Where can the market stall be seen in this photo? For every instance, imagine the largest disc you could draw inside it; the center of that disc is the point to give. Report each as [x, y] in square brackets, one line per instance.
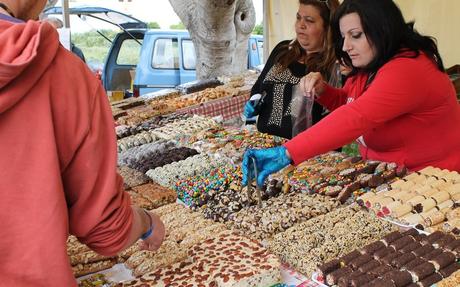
[334, 220]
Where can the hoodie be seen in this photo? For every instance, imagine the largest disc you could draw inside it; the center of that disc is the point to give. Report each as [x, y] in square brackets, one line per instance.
[57, 160]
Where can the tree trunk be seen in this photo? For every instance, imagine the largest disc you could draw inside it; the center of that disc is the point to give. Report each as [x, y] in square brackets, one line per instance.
[220, 31]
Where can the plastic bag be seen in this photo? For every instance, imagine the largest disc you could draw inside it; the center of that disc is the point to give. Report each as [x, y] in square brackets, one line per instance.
[301, 109]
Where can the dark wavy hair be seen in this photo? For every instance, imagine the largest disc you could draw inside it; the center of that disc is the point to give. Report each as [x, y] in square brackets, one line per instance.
[324, 61]
[385, 29]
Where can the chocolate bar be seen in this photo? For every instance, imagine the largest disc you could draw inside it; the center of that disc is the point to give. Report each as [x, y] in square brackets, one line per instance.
[411, 231]
[425, 249]
[447, 271]
[381, 270]
[379, 254]
[333, 278]
[372, 248]
[411, 247]
[399, 262]
[433, 237]
[399, 278]
[443, 260]
[380, 282]
[328, 267]
[361, 280]
[345, 281]
[345, 260]
[401, 242]
[369, 266]
[453, 244]
[443, 241]
[422, 271]
[432, 254]
[387, 259]
[359, 261]
[391, 237]
[417, 261]
[430, 280]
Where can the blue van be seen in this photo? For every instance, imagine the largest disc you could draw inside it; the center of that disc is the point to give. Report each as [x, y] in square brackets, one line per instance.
[147, 60]
[166, 59]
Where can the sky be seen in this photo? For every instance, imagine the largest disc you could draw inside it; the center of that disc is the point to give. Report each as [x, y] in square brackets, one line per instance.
[159, 11]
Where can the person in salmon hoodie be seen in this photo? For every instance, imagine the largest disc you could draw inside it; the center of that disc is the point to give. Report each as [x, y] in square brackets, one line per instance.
[398, 102]
[57, 158]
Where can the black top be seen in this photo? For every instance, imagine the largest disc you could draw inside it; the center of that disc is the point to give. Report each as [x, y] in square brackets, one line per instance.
[275, 115]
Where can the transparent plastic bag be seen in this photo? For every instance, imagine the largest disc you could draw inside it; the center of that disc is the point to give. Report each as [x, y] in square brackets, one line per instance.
[301, 109]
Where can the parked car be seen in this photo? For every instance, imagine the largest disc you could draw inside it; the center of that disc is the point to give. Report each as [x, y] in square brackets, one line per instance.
[147, 60]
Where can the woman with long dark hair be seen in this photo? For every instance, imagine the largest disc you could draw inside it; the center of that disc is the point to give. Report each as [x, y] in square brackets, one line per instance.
[289, 61]
[398, 103]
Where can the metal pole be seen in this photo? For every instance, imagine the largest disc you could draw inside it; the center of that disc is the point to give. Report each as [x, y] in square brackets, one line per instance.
[65, 13]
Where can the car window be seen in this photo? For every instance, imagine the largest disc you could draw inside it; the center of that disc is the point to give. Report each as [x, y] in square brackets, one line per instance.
[189, 56]
[260, 46]
[166, 54]
[129, 52]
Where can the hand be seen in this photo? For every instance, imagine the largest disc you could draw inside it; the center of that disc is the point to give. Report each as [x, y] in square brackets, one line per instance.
[249, 110]
[268, 161]
[312, 84]
[153, 242]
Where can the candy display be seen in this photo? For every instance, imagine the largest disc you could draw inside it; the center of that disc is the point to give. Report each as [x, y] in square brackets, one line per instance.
[85, 261]
[334, 174]
[399, 259]
[306, 245]
[232, 142]
[426, 199]
[156, 194]
[197, 190]
[132, 177]
[225, 260]
[96, 280]
[169, 174]
[184, 229]
[198, 85]
[214, 237]
[144, 151]
[279, 213]
[160, 158]
[153, 123]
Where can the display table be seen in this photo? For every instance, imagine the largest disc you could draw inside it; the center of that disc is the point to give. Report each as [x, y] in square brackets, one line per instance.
[228, 108]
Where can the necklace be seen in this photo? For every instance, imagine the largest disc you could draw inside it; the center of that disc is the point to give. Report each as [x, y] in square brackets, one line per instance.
[8, 10]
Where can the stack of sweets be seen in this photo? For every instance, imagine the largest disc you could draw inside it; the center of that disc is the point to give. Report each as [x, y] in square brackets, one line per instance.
[279, 213]
[397, 260]
[324, 237]
[224, 261]
[197, 190]
[424, 199]
[333, 174]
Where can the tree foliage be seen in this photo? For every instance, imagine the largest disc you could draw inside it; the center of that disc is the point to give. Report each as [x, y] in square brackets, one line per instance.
[258, 29]
[178, 26]
[153, 25]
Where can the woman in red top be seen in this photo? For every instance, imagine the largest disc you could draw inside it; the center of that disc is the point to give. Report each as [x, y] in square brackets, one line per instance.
[398, 102]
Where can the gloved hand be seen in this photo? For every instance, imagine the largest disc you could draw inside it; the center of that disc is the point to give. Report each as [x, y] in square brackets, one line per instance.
[249, 110]
[268, 161]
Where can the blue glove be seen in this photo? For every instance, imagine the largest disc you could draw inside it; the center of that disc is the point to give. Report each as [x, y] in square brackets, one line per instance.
[249, 111]
[268, 161]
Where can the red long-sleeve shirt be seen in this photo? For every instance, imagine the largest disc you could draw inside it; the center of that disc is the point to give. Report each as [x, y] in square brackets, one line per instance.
[408, 114]
[57, 160]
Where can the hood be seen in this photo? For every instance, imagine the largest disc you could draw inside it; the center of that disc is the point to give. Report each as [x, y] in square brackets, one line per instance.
[26, 52]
